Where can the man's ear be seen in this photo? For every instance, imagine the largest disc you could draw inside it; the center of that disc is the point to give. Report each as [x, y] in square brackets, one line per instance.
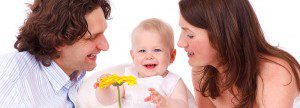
[131, 53]
[173, 55]
[59, 48]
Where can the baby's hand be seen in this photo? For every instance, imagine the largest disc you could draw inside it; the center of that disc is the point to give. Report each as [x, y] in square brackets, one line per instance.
[156, 98]
[97, 83]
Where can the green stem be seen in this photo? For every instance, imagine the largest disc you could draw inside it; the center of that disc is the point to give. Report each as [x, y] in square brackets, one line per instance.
[119, 97]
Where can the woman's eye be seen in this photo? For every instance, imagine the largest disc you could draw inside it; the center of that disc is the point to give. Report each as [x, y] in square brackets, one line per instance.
[142, 51]
[190, 36]
[157, 50]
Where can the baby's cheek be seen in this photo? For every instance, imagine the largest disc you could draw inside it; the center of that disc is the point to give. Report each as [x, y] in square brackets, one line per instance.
[137, 60]
[165, 60]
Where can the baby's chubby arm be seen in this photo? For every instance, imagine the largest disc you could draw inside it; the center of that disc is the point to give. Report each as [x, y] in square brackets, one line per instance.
[109, 95]
[178, 98]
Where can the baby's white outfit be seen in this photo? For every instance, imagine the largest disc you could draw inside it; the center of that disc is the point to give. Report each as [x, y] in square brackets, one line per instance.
[135, 95]
[297, 102]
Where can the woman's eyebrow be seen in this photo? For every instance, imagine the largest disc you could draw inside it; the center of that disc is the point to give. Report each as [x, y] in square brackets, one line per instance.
[187, 29]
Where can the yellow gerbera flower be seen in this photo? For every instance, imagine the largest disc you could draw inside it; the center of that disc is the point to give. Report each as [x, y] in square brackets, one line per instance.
[115, 80]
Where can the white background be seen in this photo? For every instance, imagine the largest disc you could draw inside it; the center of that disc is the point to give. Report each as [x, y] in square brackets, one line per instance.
[280, 20]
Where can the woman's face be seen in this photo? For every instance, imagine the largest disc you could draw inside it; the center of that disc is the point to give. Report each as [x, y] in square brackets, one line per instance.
[196, 43]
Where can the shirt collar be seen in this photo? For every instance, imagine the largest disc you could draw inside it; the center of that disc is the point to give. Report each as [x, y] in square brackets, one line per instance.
[80, 77]
[58, 78]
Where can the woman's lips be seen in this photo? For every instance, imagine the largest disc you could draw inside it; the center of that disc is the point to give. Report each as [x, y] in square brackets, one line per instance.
[190, 54]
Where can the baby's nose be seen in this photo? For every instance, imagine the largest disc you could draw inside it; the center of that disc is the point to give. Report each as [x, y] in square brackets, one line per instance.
[149, 57]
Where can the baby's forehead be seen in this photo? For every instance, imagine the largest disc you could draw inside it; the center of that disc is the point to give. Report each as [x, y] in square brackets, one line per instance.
[150, 45]
[139, 33]
[158, 45]
[152, 34]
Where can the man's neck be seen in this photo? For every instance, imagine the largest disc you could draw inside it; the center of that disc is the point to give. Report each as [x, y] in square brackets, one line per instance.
[74, 75]
[69, 72]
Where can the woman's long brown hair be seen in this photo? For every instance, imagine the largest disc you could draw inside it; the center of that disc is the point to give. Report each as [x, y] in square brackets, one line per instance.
[235, 33]
[53, 23]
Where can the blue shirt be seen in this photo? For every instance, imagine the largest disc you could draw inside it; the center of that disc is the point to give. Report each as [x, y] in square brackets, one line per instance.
[25, 82]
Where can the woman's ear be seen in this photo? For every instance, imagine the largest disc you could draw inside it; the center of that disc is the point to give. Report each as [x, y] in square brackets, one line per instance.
[173, 55]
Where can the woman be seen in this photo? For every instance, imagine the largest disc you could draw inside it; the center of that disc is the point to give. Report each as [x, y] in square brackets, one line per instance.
[232, 63]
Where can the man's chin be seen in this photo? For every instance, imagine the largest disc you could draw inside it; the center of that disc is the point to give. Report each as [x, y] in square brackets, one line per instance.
[91, 68]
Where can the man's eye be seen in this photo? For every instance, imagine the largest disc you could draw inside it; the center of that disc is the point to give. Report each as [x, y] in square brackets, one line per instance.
[157, 50]
[90, 38]
[142, 51]
[190, 36]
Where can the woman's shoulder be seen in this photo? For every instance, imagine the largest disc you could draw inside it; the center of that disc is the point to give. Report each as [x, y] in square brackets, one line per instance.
[273, 68]
[276, 83]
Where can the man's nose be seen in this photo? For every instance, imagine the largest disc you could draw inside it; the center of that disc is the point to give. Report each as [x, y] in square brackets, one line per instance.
[102, 43]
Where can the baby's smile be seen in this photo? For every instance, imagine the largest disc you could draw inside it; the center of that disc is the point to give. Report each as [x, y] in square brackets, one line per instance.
[150, 66]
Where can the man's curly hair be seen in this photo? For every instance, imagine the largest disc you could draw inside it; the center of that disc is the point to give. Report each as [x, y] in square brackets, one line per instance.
[53, 23]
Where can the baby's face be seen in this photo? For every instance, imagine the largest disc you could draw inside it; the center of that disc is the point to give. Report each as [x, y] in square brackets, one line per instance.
[150, 53]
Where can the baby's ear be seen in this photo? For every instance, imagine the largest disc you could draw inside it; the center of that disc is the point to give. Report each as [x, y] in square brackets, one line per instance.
[131, 53]
[173, 55]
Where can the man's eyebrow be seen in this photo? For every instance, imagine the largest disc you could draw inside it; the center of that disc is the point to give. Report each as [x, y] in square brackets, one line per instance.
[95, 34]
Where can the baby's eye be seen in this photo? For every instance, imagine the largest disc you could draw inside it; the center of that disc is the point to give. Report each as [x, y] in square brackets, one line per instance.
[190, 36]
[157, 50]
[142, 51]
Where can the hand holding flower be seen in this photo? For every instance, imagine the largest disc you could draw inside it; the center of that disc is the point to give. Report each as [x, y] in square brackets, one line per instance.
[96, 85]
[106, 80]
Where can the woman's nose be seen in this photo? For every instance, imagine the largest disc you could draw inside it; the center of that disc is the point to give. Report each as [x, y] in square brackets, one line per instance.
[182, 42]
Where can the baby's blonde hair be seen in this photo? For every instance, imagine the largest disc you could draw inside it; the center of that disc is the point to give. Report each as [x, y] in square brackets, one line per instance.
[158, 26]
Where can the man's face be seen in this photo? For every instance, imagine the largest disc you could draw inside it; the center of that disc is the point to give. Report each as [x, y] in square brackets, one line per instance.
[82, 55]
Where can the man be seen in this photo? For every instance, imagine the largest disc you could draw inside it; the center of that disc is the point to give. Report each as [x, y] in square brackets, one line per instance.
[58, 42]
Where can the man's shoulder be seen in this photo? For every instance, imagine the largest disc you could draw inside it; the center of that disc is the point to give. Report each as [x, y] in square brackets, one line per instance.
[17, 57]
[17, 63]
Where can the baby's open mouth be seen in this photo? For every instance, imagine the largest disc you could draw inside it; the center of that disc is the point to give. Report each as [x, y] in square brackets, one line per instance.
[150, 66]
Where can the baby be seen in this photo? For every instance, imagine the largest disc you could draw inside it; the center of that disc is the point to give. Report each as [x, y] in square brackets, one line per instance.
[152, 52]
